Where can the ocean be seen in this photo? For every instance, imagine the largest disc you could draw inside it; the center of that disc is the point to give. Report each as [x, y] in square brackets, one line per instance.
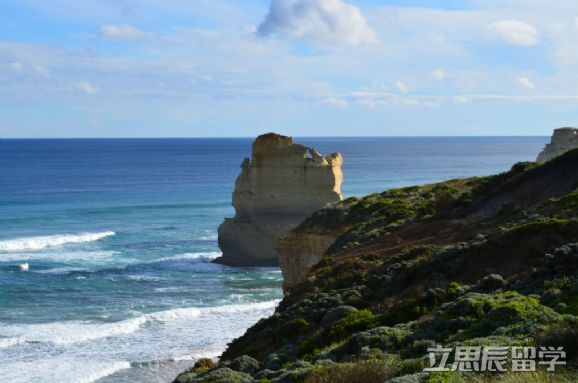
[105, 245]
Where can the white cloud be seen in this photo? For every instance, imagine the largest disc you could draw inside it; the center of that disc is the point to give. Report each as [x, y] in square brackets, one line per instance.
[402, 86]
[86, 88]
[203, 78]
[515, 32]
[16, 67]
[335, 103]
[41, 71]
[120, 32]
[526, 83]
[325, 22]
[461, 99]
[439, 74]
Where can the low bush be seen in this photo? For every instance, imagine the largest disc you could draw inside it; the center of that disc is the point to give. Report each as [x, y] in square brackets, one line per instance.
[360, 372]
[356, 321]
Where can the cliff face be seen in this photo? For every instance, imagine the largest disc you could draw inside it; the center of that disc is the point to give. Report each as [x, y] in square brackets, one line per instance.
[563, 140]
[302, 248]
[278, 187]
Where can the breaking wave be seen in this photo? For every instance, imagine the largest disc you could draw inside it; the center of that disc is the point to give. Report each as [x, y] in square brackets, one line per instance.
[63, 333]
[11, 342]
[37, 243]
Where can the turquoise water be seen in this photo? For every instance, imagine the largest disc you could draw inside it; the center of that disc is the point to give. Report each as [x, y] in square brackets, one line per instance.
[105, 245]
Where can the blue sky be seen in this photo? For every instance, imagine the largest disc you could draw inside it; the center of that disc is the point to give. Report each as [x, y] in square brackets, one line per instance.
[181, 68]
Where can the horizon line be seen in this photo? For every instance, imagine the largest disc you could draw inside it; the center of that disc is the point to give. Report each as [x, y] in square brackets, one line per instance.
[252, 137]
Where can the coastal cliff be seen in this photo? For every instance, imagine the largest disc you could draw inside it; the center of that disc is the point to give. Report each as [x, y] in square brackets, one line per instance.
[563, 140]
[282, 184]
[485, 261]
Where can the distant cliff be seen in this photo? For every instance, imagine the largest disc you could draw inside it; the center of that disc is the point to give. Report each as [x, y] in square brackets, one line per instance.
[563, 140]
[280, 186]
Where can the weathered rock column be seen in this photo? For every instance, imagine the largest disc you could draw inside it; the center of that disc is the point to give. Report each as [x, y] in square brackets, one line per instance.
[563, 140]
[277, 189]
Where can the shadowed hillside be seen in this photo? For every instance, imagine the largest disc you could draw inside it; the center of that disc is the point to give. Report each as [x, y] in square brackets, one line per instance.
[489, 261]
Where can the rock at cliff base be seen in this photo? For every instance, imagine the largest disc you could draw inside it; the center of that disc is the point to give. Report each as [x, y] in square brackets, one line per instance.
[281, 185]
[563, 140]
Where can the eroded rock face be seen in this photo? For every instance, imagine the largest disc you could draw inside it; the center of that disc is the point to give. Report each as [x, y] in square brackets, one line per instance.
[280, 186]
[300, 250]
[563, 140]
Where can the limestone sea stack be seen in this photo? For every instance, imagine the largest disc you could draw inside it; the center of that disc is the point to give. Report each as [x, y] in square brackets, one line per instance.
[563, 140]
[281, 185]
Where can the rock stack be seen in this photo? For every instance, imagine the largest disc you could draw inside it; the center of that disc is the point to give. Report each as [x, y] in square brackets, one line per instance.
[281, 185]
[563, 140]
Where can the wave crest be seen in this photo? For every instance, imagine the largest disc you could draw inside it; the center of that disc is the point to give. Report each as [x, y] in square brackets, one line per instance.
[193, 257]
[63, 333]
[37, 243]
[11, 342]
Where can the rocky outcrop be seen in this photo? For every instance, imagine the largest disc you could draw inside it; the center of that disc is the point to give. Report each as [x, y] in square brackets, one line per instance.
[280, 186]
[563, 140]
[301, 249]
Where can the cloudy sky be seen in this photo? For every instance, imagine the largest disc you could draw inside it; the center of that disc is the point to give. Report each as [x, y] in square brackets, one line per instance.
[183, 68]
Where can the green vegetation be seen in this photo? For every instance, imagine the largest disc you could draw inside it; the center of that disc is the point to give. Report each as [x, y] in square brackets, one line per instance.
[489, 261]
[363, 372]
[354, 322]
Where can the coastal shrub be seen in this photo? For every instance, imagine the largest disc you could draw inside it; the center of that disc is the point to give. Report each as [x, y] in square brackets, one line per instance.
[411, 366]
[393, 209]
[293, 376]
[532, 377]
[359, 372]
[411, 378]
[294, 328]
[186, 377]
[443, 377]
[571, 303]
[563, 283]
[565, 206]
[406, 312]
[506, 309]
[336, 314]
[203, 364]
[491, 282]
[245, 364]
[454, 289]
[521, 167]
[418, 348]
[354, 322]
[221, 375]
[474, 315]
[563, 333]
[389, 339]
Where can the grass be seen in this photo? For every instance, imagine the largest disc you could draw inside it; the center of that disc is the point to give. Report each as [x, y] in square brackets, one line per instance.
[361, 372]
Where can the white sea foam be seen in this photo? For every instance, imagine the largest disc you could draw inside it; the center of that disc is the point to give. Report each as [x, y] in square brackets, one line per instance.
[37, 243]
[148, 278]
[103, 371]
[58, 256]
[209, 237]
[65, 270]
[63, 333]
[11, 342]
[61, 369]
[194, 257]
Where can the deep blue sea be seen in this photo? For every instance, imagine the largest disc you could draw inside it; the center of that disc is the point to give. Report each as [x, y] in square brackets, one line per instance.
[105, 245]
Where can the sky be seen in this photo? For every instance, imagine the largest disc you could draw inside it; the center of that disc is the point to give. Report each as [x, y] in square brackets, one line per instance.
[225, 68]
